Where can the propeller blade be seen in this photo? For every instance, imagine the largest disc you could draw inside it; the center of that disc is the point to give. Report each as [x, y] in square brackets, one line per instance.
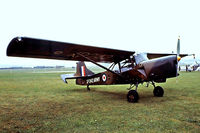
[178, 57]
[178, 46]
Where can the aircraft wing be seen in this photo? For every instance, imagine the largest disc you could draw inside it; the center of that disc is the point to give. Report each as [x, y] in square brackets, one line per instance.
[37, 48]
[157, 55]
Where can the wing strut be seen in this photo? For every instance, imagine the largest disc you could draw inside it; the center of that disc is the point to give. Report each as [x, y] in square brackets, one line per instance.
[98, 64]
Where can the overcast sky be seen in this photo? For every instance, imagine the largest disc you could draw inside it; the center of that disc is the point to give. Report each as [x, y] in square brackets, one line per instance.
[138, 25]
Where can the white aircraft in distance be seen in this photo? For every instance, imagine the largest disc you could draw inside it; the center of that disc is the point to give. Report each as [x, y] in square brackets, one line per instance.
[189, 65]
[195, 66]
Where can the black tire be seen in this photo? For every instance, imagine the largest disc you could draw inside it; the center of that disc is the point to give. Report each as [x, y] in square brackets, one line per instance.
[158, 91]
[132, 96]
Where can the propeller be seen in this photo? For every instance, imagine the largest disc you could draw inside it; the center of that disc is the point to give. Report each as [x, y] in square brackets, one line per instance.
[178, 50]
[178, 57]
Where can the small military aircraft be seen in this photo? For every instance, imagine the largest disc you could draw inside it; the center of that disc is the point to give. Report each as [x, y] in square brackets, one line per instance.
[133, 68]
[189, 65]
[194, 67]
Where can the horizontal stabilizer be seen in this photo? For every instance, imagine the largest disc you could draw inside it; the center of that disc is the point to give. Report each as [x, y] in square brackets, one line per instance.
[64, 77]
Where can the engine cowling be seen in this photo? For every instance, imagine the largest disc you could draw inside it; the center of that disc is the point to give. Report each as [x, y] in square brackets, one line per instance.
[161, 68]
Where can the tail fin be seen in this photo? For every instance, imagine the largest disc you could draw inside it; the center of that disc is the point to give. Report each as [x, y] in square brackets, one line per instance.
[81, 70]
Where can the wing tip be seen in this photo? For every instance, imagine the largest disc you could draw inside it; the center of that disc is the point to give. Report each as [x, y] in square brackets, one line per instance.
[14, 46]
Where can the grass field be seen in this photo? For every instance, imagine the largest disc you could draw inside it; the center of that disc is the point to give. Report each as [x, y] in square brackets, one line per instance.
[41, 102]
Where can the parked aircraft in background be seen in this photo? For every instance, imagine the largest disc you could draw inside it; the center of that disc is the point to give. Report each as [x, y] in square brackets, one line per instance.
[194, 67]
[133, 68]
[189, 65]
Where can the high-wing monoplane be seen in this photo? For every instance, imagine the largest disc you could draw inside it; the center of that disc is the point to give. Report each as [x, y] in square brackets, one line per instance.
[133, 68]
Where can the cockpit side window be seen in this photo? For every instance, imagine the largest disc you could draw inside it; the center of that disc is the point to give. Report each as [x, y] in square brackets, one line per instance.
[140, 58]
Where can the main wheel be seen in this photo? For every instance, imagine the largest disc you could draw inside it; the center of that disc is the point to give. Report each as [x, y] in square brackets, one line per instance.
[132, 96]
[158, 91]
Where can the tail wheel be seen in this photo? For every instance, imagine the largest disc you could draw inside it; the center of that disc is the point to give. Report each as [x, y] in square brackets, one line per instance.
[88, 88]
[158, 91]
[132, 96]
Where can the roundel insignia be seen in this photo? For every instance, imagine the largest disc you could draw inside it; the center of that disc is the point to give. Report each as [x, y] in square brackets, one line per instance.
[104, 78]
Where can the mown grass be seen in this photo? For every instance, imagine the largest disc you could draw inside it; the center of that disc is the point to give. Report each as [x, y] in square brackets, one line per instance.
[41, 102]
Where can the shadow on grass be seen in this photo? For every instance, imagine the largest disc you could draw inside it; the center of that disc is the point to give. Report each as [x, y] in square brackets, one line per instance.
[106, 94]
[145, 97]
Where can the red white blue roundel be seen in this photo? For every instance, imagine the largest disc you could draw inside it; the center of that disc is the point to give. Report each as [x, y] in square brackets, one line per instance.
[104, 78]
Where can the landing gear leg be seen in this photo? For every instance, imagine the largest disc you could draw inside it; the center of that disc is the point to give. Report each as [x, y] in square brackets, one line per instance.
[158, 91]
[132, 95]
[88, 88]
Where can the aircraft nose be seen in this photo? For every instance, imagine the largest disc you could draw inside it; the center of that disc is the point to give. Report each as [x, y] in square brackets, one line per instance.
[178, 58]
[161, 68]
